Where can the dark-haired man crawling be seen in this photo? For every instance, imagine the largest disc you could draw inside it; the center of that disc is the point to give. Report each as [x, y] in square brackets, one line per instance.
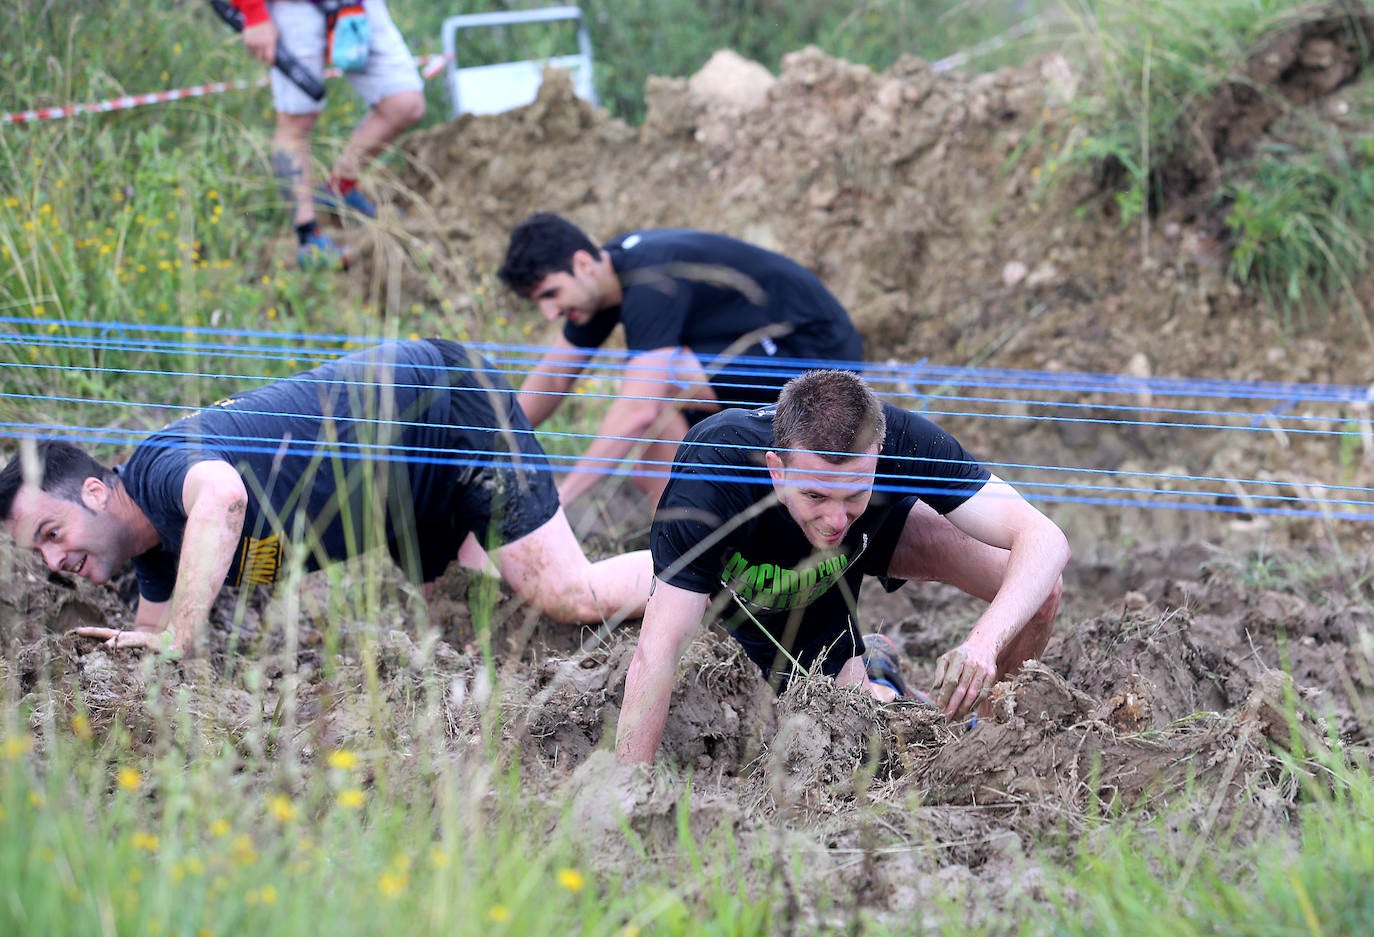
[772, 517]
[412, 445]
[685, 299]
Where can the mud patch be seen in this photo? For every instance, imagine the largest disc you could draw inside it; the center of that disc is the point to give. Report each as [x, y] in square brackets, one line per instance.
[1165, 702]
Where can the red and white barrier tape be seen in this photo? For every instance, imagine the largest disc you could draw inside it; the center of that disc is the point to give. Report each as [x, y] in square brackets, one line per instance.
[430, 65]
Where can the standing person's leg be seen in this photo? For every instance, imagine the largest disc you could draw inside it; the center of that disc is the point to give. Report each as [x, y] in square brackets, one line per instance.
[932, 549]
[391, 87]
[301, 26]
[291, 164]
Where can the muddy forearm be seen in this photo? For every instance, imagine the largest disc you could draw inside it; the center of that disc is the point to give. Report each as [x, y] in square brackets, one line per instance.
[648, 689]
[216, 503]
[671, 618]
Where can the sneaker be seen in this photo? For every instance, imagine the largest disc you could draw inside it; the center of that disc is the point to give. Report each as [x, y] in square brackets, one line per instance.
[355, 201]
[882, 661]
[318, 252]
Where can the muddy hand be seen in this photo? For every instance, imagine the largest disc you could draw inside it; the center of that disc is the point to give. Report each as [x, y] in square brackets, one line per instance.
[961, 676]
[113, 637]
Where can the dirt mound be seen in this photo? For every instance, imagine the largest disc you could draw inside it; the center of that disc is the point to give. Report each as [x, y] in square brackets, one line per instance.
[918, 197]
[909, 191]
[1161, 695]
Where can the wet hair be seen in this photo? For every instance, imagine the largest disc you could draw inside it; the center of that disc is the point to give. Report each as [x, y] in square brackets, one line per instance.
[831, 413]
[542, 244]
[64, 469]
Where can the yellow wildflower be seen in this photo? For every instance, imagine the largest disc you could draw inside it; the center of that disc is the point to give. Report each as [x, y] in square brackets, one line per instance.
[391, 884]
[242, 850]
[17, 746]
[343, 758]
[571, 879]
[351, 799]
[282, 808]
[498, 914]
[129, 779]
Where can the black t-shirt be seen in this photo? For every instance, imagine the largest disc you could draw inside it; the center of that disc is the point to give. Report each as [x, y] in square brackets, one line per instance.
[704, 291]
[408, 429]
[719, 529]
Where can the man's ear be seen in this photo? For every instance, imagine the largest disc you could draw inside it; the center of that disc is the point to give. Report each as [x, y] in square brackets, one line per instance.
[583, 264]
[95, 494]
[775, 466]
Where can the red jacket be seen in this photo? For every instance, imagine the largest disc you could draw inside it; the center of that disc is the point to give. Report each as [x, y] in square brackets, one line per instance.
[254, 11]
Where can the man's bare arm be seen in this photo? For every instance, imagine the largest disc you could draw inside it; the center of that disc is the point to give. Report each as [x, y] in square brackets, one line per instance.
[997, 515]
[150, 615]
[653, 382]
[671, 619]
[543, 390]
[261, 41]
[215, 500]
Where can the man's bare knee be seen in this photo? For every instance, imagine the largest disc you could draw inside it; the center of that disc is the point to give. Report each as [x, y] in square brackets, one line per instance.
[403, 109]
[567, 604]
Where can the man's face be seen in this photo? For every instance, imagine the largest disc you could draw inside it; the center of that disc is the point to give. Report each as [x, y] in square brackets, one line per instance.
[824, 498]
[82, 538]
[575, 296]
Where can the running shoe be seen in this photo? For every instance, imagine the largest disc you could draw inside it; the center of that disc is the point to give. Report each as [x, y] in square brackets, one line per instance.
[354, 201]
[882, 661]
[318, 252]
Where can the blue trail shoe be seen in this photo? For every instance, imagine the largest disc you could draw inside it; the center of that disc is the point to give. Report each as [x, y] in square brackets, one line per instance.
[318, 252]
[355, 201]
[882, 661]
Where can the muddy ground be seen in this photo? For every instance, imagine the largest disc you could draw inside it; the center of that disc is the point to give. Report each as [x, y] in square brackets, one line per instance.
[1195, 652]
[1164, 700]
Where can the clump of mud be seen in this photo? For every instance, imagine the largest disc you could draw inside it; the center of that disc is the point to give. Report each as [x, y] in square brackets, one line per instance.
[1172, 688]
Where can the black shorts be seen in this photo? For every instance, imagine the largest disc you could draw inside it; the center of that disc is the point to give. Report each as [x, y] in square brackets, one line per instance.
[505, 494]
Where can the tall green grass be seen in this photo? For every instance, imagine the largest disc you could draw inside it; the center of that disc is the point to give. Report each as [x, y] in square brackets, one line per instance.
[1297, 208]
[1158, 881]
[97, 842]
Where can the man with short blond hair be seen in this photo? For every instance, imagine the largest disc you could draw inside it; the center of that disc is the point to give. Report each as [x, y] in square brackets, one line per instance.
[773, 517]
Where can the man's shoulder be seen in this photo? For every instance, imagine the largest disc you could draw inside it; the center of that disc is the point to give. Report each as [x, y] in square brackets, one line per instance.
[735, 434]
[654, 245]
[904, 427]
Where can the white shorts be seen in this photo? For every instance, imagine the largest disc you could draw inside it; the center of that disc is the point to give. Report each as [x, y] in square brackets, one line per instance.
[390, 67]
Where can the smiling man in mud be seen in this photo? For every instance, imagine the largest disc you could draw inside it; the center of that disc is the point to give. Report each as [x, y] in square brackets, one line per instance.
[414, 445]
[773, 517]
[688, 301]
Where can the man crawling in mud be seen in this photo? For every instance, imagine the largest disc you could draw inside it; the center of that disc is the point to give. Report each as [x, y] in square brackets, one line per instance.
[689, 301]
[772, 517]
[413, 444]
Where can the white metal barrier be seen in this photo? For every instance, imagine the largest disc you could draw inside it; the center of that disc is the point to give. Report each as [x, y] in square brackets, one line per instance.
[489, 89]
